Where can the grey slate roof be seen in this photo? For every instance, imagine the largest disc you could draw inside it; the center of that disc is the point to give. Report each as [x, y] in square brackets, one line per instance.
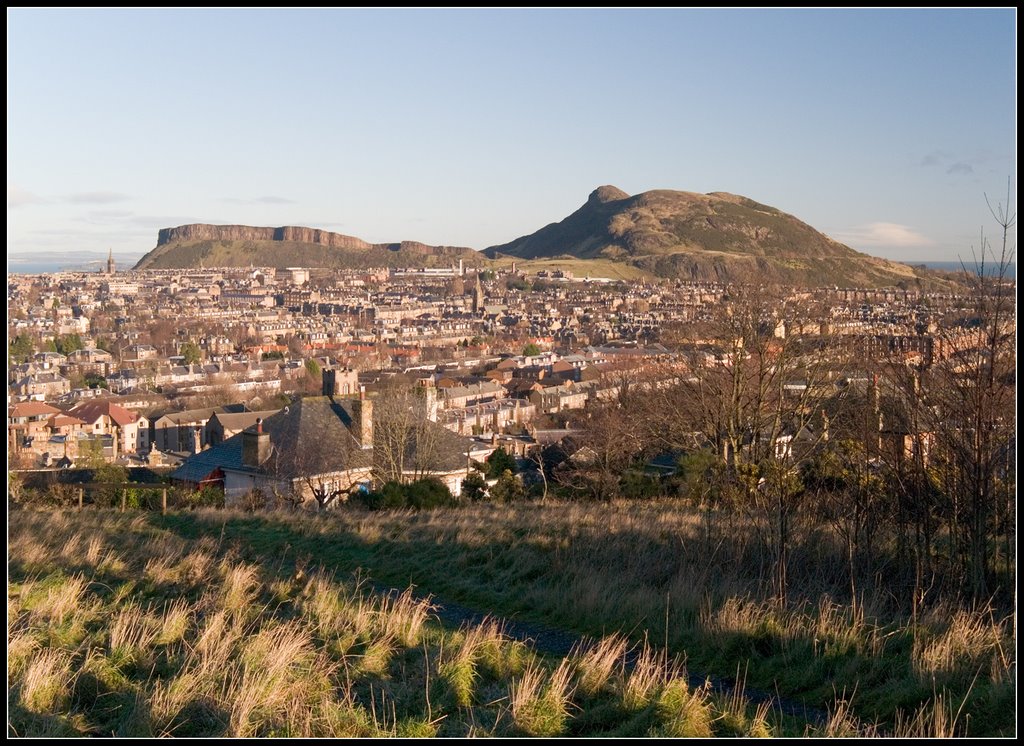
[314, 436]
[242, 420]
[196, 468]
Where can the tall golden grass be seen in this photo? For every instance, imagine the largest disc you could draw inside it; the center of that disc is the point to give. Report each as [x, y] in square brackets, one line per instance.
[171, 630]
[655, 569]
[169, 636]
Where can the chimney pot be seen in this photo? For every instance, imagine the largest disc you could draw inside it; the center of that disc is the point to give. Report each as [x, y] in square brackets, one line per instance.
[259, 424]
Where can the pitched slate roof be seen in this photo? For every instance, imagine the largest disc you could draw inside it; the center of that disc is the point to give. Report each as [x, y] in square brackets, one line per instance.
[309, 437]
[62, 420]
[189, 416]
[242, 420]
[433, 447]
[314, 436]
[196, 468]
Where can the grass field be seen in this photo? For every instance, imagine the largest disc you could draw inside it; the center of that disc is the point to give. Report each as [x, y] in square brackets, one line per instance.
[581, 268]
[220, 623]
[118, 627]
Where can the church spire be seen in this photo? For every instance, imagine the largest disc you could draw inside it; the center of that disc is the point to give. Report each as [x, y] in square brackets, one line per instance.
[110, 262]
[478, 297]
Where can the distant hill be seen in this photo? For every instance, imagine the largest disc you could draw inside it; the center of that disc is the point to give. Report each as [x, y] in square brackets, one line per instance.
[291, 246]
[716, 237]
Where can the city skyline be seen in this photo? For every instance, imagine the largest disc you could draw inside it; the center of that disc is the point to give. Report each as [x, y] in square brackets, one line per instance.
[883, 129]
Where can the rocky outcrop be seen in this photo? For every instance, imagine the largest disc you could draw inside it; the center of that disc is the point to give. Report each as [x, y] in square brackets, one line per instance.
[206, 232]
[200, 244]
[298, 234]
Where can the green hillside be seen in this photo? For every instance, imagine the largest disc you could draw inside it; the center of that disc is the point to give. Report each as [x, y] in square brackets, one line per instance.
[712, 237]
[280, 254]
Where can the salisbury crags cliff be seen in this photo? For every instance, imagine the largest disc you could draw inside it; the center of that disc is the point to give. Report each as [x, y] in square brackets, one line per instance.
[206, 232]
[241, 245]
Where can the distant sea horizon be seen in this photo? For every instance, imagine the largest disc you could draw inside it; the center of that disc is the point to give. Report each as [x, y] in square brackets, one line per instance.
[47, 262]
[25, 266]
[991, 267]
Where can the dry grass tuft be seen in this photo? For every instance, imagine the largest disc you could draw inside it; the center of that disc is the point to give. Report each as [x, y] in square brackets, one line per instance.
[216, 641]
[132, 634]
[539, 702]
[842, 723]
[649, 675]
[460, 669]
[402, 618]
[175, 622]
[46, 684]
[593, 666]
[240, 588]
[971, 641]
[21, 647]
[62, 599]
[94, 550]
[934, 720]
[684, 713]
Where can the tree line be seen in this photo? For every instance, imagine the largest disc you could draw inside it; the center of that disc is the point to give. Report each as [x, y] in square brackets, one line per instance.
[909, 469]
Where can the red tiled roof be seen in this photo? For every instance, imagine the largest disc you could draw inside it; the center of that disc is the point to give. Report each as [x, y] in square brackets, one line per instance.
[31, 409]
[93, 410]
[62, 420]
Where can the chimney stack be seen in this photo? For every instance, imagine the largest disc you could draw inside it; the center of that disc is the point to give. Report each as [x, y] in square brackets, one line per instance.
[362, 419]
[430, 394]
[256, 446]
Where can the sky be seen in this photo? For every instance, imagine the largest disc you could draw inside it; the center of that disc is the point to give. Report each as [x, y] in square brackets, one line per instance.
[885, 129]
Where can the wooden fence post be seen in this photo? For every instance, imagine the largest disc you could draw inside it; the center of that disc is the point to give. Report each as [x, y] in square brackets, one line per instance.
[163, 502]
[80, 501]
[124, 499]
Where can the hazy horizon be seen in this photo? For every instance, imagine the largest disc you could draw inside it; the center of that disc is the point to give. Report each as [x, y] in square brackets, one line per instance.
[884, 129]
[55, 261]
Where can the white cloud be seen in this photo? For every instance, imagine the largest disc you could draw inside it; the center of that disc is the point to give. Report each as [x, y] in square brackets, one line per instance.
[17, 197]
[270, 199]
[95, 198]
[935, 158]
[950, 163]
[883, 234]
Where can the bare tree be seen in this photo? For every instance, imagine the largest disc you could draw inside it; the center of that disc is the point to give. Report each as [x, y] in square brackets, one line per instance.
[609, 441]
[329, 488]
[754, 399]
[967, 401]
[309, 451]
[849, 493]
[294, 478]
[406, 443]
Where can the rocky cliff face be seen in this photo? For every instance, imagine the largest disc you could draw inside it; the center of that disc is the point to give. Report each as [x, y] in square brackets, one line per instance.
[204, 232]
[241, 245]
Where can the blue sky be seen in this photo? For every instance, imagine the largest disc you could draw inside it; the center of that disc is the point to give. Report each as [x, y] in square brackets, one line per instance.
[882, 128]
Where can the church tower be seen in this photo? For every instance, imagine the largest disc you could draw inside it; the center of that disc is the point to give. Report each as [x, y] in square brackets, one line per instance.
[110, 262]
